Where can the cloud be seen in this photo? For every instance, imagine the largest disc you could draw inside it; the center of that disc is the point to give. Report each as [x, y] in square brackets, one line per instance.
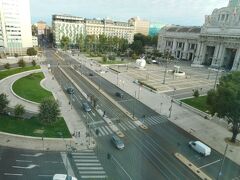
[184, 12]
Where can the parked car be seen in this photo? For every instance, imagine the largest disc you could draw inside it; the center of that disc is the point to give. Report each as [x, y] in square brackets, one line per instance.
[200, 147]
[119, 94]
[86, 107]
[118, 143]
[90, 74]
[63, 177]
[154, 62]
[70, 90]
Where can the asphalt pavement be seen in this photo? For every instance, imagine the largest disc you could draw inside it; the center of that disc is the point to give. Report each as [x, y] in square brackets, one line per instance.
[155, 146]
[18, 164]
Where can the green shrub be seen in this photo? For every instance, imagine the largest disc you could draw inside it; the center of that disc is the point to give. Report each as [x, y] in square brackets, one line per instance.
[7, 66]
[196, 93]
[112, 57]
[21, 63]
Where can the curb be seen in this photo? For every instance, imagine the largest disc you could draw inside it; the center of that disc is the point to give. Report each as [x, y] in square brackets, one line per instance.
[116, 104]
[192, 167]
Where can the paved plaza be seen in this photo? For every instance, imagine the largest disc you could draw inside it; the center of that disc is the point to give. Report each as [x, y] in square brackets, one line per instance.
[202, 79]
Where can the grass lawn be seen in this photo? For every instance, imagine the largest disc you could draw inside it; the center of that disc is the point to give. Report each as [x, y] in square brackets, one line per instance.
[33, 127]
[199, 103]
[29, 88]
[6, 73]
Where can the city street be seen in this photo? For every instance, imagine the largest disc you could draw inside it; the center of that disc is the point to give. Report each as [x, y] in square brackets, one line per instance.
[163, 137]
[16, 164]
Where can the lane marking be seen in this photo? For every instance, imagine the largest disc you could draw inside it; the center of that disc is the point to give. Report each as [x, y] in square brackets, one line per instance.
[87, 160]
[30, 155]
[92, 172]
[210, 163]
[90, 168]
[84, 157]
[25, 167]
[54, 162]
[88, 164]
[45, 175]
[10, 174]
[93, 177]
[18, 160]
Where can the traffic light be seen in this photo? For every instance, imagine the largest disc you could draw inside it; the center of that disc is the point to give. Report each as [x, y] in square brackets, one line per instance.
[109, 156]
[97, 132]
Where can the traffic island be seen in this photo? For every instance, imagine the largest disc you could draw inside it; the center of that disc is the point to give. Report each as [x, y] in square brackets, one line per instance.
[192, 167]
[29, 88]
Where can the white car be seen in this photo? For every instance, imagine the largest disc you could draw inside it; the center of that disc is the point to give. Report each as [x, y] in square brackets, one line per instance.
[63, 177]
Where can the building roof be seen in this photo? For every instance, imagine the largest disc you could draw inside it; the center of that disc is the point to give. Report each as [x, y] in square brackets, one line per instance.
[189, 29]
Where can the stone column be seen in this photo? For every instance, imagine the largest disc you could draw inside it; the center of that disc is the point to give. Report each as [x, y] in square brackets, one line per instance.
[174, 47]
[220, 57]
[215, 55]
[202, 53]
[196, 59]
[185, 50]
[236, 63]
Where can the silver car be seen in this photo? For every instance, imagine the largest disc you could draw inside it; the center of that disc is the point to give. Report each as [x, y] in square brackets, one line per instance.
[86, 107]
[117, 142]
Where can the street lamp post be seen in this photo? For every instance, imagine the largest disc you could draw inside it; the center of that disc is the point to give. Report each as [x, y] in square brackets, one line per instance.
[170, 109]
[215, 83]
[61, 135]
[224, 157]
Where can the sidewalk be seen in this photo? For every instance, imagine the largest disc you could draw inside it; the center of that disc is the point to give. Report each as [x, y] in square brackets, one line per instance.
[74, 123]
[205, 130]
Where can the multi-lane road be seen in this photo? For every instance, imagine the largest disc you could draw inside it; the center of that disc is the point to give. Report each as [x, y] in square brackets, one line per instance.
[147, 153]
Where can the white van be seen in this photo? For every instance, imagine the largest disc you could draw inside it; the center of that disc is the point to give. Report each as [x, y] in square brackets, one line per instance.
[200, 147]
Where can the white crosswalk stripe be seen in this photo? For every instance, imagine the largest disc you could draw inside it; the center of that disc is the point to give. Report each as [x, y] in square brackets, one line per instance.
[109, 130]
[153, 120]
[88, 165]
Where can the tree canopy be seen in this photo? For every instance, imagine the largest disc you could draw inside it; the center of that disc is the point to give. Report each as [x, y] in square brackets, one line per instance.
[65, 42]
[3, 102]
[49, 111]
[225, 101]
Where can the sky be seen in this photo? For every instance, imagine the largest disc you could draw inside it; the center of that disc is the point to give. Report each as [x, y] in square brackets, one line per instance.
[180, 12]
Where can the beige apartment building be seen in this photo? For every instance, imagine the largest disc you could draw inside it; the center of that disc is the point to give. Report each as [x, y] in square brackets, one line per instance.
[140, 26]
[72, 27]
[109, 28]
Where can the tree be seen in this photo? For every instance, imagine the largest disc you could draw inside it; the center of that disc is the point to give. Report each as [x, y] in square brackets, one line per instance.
[81, 42]
[65, 42]
[7, 66]
[49, 111]
[225, 101]
[19, 110]
[21, 63]
[31, 51]
[34, 63]
[3, 102]
[137, 47]
[34, 30]
[196, 93]
[104, 58]
[15, 55]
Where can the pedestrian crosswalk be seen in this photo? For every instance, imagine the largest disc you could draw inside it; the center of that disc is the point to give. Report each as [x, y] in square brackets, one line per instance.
[153, 120]
[128, 125]
[105, 130]
[88, 165]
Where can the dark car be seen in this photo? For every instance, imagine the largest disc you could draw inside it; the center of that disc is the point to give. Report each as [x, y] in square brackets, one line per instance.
[119, 94]
[86, 107]
[70, 90]
[117, 142]
[90, 74]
